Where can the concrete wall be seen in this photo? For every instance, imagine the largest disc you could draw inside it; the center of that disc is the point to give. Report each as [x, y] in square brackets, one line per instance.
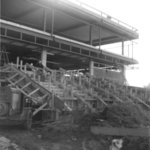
[113, 75]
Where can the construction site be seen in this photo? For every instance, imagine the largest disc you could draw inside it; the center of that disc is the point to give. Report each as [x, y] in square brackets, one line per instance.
[59, 89]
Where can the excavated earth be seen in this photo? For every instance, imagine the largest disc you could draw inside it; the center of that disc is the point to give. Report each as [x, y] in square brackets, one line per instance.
[72, 132]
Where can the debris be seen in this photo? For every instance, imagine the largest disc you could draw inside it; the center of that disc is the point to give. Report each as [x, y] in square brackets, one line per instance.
[6, 144]
[116, 144]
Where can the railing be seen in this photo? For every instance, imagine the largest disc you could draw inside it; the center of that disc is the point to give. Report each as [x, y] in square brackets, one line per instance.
[67, 80]
[102, 14]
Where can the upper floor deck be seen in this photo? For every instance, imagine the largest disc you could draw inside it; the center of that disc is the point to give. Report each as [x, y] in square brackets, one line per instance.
[77, 29]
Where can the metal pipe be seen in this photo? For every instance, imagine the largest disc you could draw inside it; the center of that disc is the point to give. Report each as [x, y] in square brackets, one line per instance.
[90, 34]
[45, 19]
[122, 47]
[52, 26]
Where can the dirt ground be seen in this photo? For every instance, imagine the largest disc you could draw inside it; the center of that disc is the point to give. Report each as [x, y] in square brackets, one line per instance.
[51, 139]
[69, 138]
[75, 134]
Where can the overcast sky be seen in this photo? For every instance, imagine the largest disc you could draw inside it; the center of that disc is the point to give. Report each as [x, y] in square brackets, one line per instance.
[135, 13]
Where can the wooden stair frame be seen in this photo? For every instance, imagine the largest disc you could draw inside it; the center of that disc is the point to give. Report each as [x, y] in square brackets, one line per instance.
[44, 100]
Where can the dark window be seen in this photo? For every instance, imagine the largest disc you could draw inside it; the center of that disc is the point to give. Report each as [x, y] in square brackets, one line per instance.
[65, 46]
[117, 60]
[101, 65]
[41, 41]
[109, 58]
[2, 31]
[96, 64]
[84, 52]
[114, 60]
[121, 61]
[102, 56]
[75, 49]
[28, 37]
[93, 54]
[13, 34]
[54, 44]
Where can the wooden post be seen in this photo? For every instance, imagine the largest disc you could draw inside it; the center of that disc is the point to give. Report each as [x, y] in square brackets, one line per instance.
[57, 114]
[49, 82]
[34, 74]
[72, 78]
[89, 81]
[80, 80]
[17, 62]
[25, 68]
[54, 76]
[52, 101]
[21, 63]
[39, 78]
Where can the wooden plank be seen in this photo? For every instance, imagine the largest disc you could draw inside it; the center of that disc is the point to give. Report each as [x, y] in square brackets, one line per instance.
[139, 132]
[33, 99]
[13, 76]
[39, 109]
[100, 99]
[19, 80]
[141, 101]
[85, 102]
[33, 92]
[26, 85]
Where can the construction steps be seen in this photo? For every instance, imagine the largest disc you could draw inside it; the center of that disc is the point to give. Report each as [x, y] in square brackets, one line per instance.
[37, 93]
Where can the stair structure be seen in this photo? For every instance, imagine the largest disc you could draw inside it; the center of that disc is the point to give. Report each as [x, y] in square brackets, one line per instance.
[33, 90]
[52, 89]
[62, 87]
[122, 93]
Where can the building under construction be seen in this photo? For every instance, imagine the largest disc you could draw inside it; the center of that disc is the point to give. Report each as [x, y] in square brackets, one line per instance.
[52, 60]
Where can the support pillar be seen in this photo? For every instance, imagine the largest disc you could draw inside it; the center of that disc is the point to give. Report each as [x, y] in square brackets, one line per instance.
[123, 67]
[100, 38]
[44, 19]
[90, 34]
[52, 24]
[132, 49]
[44, 57]
[123, 73]
[122, 47]
[91, 68]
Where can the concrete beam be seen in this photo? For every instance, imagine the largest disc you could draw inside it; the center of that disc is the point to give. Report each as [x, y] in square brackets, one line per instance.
[44, 57]
[72, 27]
[26, 12]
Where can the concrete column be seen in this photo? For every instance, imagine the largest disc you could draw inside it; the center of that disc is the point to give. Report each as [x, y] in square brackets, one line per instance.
[122, 47]
[91, 68]
[132, 49]
[99, 38]
[44, 57]
[44, 19]
[123, 73]
[90, 34]
[53, 19]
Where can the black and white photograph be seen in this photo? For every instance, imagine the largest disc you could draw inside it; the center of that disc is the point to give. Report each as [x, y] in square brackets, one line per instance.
[74, 75]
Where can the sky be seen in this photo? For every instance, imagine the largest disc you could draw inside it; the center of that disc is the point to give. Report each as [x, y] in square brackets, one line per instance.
[135, 13]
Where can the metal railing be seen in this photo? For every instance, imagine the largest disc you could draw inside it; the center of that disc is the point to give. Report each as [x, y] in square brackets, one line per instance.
[102, 14]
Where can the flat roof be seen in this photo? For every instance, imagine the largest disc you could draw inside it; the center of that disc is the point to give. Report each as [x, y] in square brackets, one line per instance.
[77, 22]
[59, 24]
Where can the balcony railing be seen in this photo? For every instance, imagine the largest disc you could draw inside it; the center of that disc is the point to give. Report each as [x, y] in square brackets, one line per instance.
[101, 14]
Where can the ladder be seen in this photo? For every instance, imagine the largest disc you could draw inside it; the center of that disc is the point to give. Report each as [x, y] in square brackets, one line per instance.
[30, 88]
[3, 57]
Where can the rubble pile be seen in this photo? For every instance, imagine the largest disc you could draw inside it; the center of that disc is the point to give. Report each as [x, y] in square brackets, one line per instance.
[128, 115]
[6, 144]
[116, 115]
[119, 115]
